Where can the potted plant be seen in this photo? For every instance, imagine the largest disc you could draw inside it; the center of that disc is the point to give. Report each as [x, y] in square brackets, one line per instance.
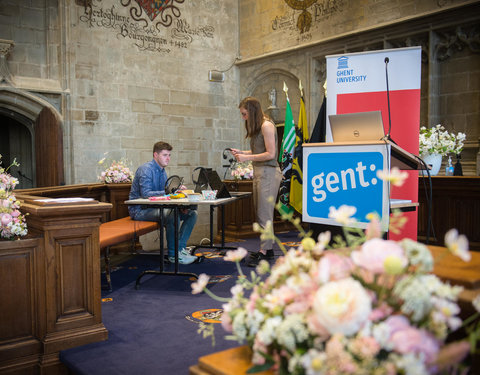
[436, 142]
[242, 171]
[12, 221]
[118, 172]
[359, 305]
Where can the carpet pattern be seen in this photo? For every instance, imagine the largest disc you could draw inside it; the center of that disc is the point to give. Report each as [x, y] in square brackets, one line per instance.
[153, 330]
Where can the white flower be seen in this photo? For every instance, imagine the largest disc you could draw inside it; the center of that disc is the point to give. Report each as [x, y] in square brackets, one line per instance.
[343, 215]
[457, 244]
[415, 293]
[418, 255]
[235, 255]
[267, 332]
[292, 331]
[253, 321]
[314, 362]
[410, 363]
[476, 302]
[395, 176]
[446, 312]
[437, 140]
[236, 290]
[322, 243]
[200, 284]
[342, 306]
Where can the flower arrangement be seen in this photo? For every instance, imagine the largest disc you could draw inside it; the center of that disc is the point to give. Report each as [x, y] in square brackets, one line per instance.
[118, 172]
[361, 306]
[437, 140]
[12, 221]
[242, 171]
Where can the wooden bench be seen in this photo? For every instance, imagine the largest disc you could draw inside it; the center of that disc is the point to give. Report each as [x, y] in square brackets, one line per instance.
[118, 231]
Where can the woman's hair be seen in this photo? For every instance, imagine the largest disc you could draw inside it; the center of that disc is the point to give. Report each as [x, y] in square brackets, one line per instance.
[253, 124]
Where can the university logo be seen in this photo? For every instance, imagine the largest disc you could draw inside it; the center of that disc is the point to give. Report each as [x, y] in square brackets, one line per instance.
[342, 62]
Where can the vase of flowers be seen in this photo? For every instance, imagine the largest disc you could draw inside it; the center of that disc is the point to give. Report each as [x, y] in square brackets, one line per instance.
[242, 171]
[12, 222]
[118, 172]
[436, 142]
[363, 305]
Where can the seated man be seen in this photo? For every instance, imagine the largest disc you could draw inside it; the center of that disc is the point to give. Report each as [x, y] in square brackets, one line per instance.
[149, 181]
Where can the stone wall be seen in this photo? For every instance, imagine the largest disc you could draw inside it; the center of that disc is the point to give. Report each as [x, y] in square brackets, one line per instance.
[268, 27]
[123, 77]
[275, 49]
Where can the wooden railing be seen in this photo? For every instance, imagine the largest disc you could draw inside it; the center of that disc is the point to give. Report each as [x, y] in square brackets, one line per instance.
[116, 194]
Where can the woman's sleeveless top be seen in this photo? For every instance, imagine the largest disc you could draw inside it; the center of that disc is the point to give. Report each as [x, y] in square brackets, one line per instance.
[257, 145]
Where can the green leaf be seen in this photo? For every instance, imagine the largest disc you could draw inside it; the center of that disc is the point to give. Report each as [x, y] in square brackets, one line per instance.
[259, 368]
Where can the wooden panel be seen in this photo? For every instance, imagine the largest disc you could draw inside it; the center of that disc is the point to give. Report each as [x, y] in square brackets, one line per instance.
[48, 149]
[17, 304]
[240, 215]
[20, 304]
[71, 268]
[73, 288]
[118, 194]
[455, 204]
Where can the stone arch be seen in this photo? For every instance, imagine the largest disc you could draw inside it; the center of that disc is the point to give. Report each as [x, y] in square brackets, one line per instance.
[44, 123]
[260, 84]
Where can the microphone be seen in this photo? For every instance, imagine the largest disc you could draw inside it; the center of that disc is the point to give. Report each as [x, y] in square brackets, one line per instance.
[387, 137]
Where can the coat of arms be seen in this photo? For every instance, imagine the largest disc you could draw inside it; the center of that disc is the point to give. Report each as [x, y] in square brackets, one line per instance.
[305, 18]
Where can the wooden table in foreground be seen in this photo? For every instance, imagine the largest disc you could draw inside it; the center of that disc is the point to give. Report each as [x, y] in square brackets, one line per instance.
[236, 361]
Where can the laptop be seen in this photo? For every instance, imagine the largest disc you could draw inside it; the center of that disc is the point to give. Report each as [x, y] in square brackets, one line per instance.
[208, 178]
[357, 127]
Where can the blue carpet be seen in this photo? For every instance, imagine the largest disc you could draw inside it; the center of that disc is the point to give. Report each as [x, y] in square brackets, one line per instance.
[153, 330]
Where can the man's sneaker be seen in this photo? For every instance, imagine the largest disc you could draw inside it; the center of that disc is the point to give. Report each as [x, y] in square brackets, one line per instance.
[255, 258]
[190, 249]
[183, 257]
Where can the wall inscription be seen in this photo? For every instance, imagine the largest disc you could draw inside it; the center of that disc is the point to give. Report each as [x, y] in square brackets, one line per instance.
[151, 25]
[312, 13]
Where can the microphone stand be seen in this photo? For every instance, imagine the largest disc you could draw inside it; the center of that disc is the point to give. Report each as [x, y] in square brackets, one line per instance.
[387, 137]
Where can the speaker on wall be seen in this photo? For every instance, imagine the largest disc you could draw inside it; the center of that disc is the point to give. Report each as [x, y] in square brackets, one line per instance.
[216, 76]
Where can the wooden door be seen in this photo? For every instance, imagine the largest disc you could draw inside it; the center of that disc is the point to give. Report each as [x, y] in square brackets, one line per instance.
[48, 149]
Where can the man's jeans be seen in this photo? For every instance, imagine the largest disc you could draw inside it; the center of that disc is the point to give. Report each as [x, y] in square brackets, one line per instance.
[187, 220]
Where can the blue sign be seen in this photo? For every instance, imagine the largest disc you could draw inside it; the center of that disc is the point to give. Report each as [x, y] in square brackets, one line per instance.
[336, 177]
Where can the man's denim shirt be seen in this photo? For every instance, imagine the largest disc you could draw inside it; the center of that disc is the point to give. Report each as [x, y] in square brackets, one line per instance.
[149, 181]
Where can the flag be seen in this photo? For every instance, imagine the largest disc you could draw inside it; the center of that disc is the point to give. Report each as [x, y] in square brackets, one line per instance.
[320, 129]
[301, 136]
[285, 159]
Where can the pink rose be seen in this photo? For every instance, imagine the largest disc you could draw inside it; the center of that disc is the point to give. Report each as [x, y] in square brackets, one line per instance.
[380, 312]
[333, 266]
[226, 321]
[6, 219]
[374, 252]
[407, 339]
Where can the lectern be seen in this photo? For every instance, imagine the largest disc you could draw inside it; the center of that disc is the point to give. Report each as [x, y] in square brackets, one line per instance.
[336, 174]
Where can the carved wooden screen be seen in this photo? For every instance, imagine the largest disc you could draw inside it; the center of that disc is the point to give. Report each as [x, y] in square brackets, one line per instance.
[48, 149]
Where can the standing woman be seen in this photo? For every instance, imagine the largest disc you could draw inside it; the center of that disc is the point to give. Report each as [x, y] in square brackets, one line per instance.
[266, 172]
